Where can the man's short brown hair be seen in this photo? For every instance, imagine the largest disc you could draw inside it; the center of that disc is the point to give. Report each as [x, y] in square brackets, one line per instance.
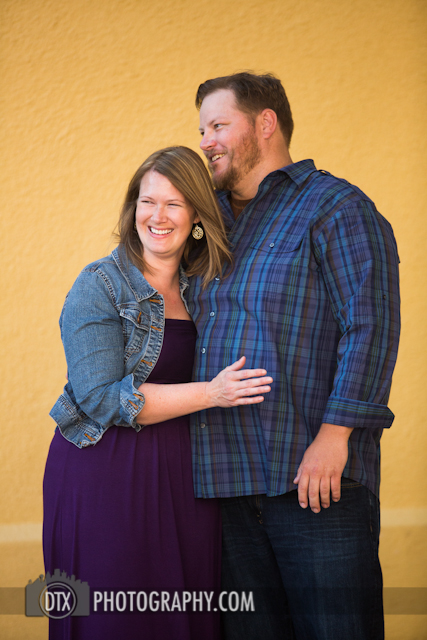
[253, 93]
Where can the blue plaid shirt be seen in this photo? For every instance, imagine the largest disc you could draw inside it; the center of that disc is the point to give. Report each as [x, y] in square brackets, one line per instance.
[313, 297]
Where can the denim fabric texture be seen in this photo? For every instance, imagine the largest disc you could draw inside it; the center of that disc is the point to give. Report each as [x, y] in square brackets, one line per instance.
[313, 298]
[314, 576]
[112, 326]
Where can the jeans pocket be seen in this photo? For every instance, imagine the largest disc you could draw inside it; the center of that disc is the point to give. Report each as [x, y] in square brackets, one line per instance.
[348, 483]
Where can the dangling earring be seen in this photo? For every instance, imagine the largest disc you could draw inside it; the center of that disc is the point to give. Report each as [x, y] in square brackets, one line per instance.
[197, 232]
[134, 225]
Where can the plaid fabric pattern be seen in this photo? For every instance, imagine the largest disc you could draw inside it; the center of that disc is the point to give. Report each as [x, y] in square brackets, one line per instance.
[313, 297]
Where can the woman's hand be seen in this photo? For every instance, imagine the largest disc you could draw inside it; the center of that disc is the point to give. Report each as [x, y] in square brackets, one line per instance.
[232, 387]
[235, 386]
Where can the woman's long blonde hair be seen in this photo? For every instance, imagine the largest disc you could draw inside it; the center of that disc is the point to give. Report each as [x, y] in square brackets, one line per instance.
[185, 169]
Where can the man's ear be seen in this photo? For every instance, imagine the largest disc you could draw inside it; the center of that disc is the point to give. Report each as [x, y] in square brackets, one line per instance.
[268, 122]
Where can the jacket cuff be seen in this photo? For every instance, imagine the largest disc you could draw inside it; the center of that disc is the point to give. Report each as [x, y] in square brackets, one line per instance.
[357, 414]
[131, 401]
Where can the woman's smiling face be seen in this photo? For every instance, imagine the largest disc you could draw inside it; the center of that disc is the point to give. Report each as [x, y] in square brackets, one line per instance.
[164, 218]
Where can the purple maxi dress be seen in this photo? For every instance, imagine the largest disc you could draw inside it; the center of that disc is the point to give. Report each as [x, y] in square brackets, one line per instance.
[121, 515]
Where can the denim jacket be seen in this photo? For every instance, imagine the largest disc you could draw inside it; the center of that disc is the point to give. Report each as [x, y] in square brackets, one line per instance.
[112, 326]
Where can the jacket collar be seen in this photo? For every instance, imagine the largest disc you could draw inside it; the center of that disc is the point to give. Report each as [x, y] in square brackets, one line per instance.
[136, 281]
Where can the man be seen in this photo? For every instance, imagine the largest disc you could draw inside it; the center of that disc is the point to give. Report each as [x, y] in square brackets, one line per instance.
[312, 296]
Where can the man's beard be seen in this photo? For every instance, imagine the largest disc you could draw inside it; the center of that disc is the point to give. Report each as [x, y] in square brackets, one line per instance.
[249, 157]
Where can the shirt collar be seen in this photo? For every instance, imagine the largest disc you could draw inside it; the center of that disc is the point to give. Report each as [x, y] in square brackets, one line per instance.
[298, 172]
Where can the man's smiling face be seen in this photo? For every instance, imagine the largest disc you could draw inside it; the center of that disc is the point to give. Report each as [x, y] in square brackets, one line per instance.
[229, 139]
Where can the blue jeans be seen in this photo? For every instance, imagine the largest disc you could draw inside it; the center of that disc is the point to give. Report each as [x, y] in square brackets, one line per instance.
[313, 576]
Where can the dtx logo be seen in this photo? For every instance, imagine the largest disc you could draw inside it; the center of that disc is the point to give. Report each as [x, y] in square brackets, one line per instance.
[57, 596]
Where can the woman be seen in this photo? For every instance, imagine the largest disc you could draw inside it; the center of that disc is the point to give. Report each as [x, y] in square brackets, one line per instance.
[121, 515]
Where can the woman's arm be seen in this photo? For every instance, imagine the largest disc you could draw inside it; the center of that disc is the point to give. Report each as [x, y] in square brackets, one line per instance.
[232, 387]
[92, 335]
[93, 341]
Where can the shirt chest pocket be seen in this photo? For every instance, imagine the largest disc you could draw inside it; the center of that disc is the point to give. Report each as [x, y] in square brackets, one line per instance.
[135, 326]
[277, 257]
[276, 246]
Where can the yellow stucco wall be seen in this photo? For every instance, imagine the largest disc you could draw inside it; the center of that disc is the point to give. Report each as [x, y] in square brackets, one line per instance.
[88, 89]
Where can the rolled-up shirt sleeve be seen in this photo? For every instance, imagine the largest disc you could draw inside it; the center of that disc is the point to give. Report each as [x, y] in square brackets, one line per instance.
[357, 254]
[94, 345]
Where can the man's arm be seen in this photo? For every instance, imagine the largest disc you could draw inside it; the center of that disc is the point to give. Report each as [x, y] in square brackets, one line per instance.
[356, 251]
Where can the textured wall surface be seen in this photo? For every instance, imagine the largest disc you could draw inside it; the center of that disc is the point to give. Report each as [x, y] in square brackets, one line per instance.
[88, 89]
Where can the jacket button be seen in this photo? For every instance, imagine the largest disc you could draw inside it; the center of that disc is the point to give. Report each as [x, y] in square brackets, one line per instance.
[202, 425]
[203, 350]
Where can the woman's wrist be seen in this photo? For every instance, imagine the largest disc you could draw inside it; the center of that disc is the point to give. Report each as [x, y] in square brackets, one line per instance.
[208, 395]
